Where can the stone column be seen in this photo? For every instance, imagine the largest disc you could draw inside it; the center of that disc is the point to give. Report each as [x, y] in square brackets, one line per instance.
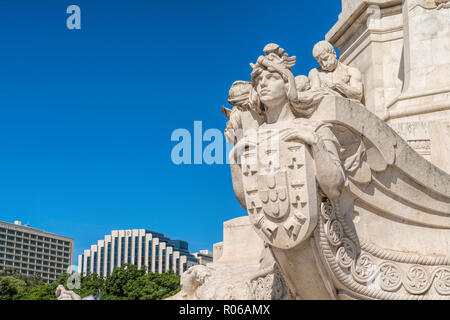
[86, 254]
[148, 244]
[175, 257]
[169, 251]
[162, 249]
[106, 256]
[93, 266]
[114, 236]
[155, 242]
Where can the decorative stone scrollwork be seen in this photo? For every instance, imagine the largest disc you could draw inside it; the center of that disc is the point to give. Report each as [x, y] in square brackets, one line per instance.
[346, 254]
[364, 269]
[327, 211]
[417, 280]
[334, 232]
[376, 274]
[269, 287]
[390, 276]
[442, 280]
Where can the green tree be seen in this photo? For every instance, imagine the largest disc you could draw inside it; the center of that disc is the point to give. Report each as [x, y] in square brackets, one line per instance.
[41, 292]
[91, 284]
[31, 280]
[125, 283]
[117, 281]
[10, 286]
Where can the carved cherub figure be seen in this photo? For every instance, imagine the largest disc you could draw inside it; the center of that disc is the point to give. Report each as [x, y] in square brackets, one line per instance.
[238, 97]
[302, 83]
[334, 75]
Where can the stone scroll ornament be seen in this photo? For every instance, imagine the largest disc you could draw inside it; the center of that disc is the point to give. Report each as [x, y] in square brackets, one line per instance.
[329, 185]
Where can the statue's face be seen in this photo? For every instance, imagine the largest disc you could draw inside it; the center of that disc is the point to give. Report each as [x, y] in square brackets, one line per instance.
[327, 60]
[271, 88]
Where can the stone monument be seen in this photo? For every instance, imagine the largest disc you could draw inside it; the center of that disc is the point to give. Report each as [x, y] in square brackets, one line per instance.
[343, 172]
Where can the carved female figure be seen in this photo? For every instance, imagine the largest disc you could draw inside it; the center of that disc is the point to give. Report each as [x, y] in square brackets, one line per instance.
[269, 175]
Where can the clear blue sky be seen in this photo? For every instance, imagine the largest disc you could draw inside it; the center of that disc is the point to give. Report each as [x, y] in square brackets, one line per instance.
[87, 115]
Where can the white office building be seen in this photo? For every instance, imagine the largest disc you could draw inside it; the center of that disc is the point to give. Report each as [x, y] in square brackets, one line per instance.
[32, 251]
[140, 247]
[204, 257]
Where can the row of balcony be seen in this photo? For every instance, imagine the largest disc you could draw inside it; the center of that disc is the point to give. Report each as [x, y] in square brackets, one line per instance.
[25, 236]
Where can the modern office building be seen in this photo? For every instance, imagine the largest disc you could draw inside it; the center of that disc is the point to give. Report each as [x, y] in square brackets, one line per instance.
[140, 247]
[204, 257]
[33, 251]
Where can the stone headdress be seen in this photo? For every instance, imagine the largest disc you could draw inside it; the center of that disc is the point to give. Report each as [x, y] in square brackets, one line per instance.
[277, 60]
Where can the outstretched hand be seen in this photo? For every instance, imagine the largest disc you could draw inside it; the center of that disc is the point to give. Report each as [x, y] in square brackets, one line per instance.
[303, 134]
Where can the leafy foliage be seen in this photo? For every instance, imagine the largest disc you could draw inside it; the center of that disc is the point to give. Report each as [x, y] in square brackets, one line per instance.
[125, 283]
[10, 286]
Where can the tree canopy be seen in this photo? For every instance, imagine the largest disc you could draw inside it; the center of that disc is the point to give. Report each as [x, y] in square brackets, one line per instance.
[125, 283]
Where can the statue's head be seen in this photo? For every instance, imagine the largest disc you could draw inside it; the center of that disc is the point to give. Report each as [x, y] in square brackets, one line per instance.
[302, 83]
[239, 94]
[325, 55]
[271, 88]
[269, 79]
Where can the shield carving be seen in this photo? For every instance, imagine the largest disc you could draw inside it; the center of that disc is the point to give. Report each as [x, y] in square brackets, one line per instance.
[280, 192]
[273, 192]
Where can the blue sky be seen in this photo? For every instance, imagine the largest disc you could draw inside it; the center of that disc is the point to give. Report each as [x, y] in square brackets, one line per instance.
[87, 115]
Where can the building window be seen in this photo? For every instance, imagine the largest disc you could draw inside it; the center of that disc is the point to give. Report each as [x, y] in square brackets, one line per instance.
[95, 261]
[129, 250]
[115, 252]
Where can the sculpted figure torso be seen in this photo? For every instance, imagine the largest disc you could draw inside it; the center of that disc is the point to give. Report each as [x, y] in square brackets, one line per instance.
[335, 75]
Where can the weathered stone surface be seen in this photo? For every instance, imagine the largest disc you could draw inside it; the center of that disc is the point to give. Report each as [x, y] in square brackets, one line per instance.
[243, 270]
[63, 294]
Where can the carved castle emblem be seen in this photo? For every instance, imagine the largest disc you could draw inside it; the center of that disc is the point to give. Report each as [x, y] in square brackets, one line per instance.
[276, 183]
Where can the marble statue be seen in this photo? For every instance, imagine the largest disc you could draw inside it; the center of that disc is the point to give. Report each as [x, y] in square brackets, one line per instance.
[346, 209]
[63, 294]
[191, 281]
[335, 75]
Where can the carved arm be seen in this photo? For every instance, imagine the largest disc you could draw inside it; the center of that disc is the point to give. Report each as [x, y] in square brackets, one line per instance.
[353, 90]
